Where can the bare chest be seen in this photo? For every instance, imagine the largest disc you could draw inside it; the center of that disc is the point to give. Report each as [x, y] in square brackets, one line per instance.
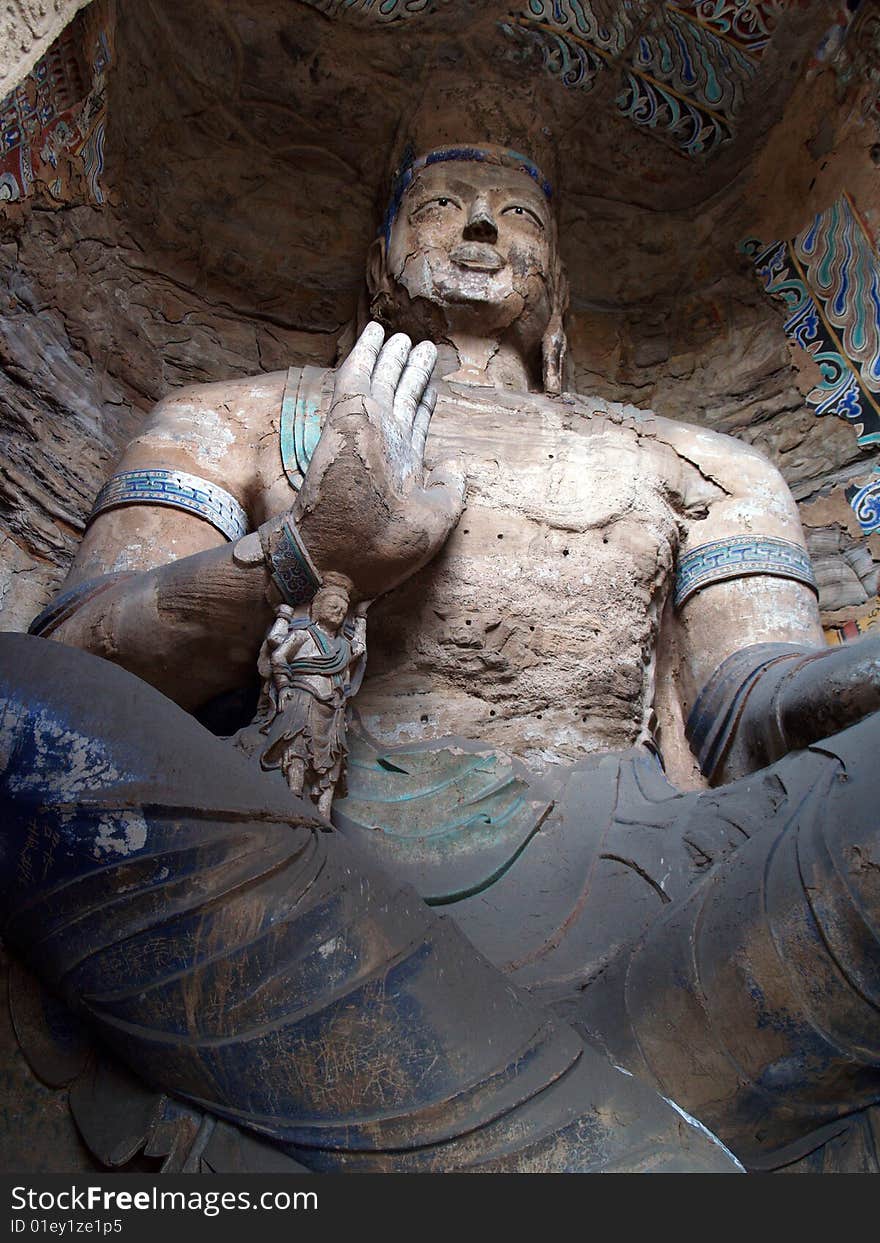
[541, 613]
[575, 511]
[553, 465]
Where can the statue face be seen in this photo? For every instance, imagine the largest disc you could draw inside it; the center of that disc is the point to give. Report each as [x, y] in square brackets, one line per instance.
[329, 609]
[478, 241]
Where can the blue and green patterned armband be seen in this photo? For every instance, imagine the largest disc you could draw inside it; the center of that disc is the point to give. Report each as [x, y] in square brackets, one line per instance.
[178, 490]
[292, 569]
[737, 557]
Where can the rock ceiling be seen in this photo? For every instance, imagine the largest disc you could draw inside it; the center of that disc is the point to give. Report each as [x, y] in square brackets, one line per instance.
[250, 140]
[252, 137]
[684, 70]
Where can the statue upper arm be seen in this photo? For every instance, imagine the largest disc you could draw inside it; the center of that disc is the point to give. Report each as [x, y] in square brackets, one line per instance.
[743, 573]
[203, 435]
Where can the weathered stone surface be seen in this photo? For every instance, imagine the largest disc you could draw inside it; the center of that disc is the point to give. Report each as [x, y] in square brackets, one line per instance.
[245, 157]
[551, 650]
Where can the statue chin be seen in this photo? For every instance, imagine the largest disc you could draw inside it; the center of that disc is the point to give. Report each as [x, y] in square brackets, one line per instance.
[443, 305]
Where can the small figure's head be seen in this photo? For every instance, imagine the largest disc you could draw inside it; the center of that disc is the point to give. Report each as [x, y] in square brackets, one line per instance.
[469, 245]
[331, 602]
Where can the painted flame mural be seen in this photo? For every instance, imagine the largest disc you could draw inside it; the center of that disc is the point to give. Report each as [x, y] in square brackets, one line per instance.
[828, 277]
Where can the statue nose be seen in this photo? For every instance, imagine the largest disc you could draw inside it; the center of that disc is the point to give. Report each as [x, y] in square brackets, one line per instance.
[481, 226]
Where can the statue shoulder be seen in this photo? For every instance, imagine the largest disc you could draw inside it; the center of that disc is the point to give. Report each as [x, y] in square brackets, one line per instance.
[225, 425]
[241, 403]
[735, 464]
[739, 468]
[709, 468]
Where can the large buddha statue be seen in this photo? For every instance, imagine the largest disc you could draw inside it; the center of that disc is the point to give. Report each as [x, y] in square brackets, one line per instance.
[525, 937]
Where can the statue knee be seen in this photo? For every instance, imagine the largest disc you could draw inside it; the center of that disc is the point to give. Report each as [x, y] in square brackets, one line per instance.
[146, 864]
[753, 1002]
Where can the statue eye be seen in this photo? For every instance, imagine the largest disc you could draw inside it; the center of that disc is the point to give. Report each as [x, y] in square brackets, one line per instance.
[516, 209]
[441, 201]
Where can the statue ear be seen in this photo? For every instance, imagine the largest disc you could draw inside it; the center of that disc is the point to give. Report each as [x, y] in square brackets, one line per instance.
[554, 343]
[379, 286]
[373, 301]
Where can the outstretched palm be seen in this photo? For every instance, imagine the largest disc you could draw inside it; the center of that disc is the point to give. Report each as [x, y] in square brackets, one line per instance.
[367, 507]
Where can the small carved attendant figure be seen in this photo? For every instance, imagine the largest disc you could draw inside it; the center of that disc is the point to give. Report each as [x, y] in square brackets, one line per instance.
[310, 666]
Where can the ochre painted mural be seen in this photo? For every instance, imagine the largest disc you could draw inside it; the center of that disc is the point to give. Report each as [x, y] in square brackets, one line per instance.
[52, 124]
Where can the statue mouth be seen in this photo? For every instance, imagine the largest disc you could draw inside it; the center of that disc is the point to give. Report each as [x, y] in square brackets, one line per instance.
[477, 256]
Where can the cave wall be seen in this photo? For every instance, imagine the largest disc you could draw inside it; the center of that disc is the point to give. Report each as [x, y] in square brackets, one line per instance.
[200, 194]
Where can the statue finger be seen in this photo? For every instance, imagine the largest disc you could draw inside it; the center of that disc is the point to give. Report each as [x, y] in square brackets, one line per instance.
[389, 368]
[422, 422]
[354, 376]
[414, 384]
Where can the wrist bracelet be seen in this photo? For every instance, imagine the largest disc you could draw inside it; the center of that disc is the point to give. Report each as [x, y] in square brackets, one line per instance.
[293, 571]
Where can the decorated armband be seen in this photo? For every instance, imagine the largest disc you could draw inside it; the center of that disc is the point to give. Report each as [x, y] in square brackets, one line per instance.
[737, 557]
[292, 569]
[178, 490]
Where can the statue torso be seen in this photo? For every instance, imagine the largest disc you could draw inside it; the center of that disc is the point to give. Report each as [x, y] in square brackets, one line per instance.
[535, 629]
[318, 661]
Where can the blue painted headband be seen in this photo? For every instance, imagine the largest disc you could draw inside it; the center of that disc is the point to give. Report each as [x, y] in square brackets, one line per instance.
[479, 155]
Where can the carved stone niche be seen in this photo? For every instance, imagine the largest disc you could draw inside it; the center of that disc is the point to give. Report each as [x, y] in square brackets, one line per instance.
[191, 237]
[187, 223]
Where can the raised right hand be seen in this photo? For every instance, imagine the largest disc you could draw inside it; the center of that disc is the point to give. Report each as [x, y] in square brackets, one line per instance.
[367, 507]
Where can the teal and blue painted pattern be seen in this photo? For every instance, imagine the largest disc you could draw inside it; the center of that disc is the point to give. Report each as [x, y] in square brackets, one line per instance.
[829, 279]
[301, 421]
[292, 570]
[376, 10]
[450, 815]
[865, 501]
[178, 490]
[694, 62]
[687, 126]
[573, 42]
[842, 270]
[736, 557]
[748, 23]
[567, 57]
[684, 67]
[610, 31]
[686, 80]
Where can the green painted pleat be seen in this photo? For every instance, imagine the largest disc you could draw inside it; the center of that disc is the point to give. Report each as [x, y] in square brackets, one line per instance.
[288, 450]
[378, 791]
[301, 422]
[488, 823]
[311, 429]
